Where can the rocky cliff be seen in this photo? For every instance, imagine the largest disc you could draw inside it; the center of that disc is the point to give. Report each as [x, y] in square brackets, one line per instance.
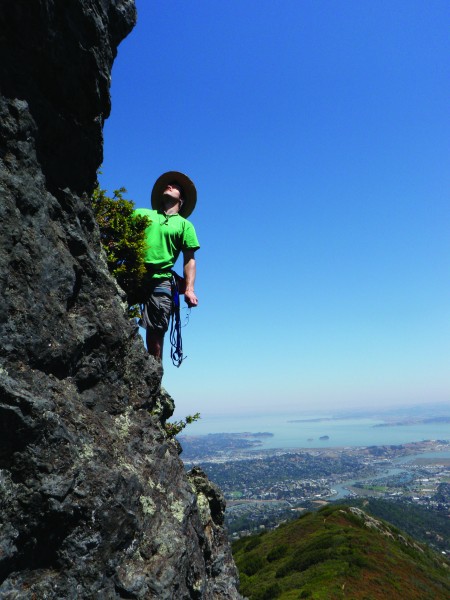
[94, 500]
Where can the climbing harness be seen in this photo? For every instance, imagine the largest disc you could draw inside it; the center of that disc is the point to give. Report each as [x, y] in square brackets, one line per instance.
[177, 287]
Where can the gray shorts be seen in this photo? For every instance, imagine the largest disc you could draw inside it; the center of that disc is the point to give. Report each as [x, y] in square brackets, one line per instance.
[158, 307]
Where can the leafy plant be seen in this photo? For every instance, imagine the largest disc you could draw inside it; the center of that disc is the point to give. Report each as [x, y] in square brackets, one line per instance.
[173, 429]
[122, 236]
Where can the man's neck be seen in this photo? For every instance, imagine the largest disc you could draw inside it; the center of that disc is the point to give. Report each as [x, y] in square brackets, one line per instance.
[170, 208]
[171, 211]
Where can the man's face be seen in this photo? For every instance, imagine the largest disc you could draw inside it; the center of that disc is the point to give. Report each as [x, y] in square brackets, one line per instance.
[173, 190]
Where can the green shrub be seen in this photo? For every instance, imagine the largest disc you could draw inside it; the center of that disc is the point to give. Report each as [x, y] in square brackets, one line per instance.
[287, 568]
[122, 237]
[269, 592]
[251, 564]
[244, 582]
[277, 552]
[327, 510]
[252, 544]
[176, 427]
[358, 560]
[321, 541]
[302, 560]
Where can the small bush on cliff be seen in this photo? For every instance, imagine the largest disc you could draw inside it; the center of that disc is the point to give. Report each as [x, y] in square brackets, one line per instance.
[176, 427]
[123, 239]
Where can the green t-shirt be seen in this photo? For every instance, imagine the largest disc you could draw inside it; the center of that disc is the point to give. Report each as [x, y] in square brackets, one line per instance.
[166, 237]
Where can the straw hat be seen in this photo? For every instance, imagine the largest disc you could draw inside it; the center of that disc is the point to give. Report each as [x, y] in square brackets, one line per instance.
[189, 192]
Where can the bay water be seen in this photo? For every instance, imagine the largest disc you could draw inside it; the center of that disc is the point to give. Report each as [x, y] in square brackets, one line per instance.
[296, 431]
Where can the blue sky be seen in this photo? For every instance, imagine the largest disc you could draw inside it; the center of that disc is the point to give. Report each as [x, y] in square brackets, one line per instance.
[317, 134]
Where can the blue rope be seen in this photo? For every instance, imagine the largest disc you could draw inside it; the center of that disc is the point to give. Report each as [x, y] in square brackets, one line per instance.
[176, 351]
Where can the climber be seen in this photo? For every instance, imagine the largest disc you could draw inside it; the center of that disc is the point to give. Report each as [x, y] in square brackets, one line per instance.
[173, 199]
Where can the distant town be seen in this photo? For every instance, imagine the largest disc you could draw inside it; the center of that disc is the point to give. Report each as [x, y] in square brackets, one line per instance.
[265, 487]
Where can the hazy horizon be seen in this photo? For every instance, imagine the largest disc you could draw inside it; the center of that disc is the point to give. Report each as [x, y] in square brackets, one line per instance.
[400, 409]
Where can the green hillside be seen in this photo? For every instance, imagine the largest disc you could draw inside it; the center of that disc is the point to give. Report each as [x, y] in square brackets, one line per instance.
[339, 552]
[425, 524]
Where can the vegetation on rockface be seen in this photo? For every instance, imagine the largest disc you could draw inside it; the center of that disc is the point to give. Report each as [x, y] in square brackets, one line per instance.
[123, 238]
[176, 427]
[335, 553]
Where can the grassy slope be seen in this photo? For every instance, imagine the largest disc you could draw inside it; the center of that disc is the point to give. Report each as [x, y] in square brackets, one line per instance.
[423, 524]
[336, 553]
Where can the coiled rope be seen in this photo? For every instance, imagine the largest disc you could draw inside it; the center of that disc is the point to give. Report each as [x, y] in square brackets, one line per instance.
[176, 342]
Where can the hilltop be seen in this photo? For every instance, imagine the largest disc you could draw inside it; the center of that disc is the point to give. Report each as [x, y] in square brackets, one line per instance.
[426, 524]
[339, 552]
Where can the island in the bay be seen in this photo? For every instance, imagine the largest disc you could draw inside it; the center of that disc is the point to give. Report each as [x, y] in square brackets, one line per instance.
[222, 444]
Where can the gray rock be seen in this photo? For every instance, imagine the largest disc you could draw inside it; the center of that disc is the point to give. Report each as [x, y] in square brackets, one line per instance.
[94, 500]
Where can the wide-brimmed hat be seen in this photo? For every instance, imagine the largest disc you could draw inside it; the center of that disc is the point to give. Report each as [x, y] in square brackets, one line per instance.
[189, 192]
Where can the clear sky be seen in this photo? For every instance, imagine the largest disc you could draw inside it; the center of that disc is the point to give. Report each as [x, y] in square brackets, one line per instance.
[317, 133]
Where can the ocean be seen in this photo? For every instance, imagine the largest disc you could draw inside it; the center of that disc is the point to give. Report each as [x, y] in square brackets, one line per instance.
[307, 434]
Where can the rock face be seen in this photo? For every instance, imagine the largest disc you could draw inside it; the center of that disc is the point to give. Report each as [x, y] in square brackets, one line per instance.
[94, 500]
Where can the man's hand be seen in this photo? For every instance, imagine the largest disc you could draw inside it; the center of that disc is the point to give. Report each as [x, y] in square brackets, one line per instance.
[191, 298]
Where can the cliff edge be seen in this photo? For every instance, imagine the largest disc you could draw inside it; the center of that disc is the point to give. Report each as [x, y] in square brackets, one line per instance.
[94, 500]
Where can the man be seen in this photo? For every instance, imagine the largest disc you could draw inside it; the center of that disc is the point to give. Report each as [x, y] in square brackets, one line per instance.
[173, 199]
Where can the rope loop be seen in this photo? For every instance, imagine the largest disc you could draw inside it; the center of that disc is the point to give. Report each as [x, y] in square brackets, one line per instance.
[176, 351]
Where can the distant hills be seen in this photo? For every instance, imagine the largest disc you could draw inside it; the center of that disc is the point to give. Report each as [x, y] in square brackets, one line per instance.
[340, 552]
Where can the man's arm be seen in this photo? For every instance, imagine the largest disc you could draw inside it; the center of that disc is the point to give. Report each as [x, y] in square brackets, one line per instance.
[189, 275]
